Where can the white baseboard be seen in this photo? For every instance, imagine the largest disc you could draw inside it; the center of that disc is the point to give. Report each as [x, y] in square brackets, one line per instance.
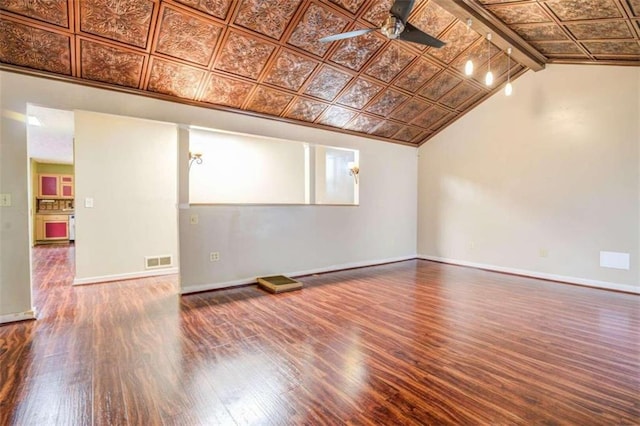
[127, 276]
[332, 268]
[18, 316]
[533, 274]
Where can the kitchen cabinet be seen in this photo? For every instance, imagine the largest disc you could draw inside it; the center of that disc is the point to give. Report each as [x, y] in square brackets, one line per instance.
[52, 227]
[55, 186]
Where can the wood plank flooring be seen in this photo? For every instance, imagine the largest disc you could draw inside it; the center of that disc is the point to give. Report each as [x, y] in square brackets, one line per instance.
[414, 342]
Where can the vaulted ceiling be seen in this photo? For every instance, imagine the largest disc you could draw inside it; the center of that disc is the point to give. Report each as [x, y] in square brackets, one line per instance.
[263, 56]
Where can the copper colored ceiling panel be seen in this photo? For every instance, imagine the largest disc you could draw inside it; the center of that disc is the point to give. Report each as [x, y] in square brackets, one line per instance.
[35, 48]
[263, 57]
[306, 109]
[269, 18]
[227, 91]
[363, 123]
[575, 31]
[110, 64]
[52, 11]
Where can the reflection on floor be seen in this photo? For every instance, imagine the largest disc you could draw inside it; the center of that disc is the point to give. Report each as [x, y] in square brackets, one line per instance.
[407, 343]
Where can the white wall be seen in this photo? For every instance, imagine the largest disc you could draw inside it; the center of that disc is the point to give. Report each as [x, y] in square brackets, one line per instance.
[262, 240]
[246, 169]
[128, 167]
[554, 168]
[15, 291]
[382, 227]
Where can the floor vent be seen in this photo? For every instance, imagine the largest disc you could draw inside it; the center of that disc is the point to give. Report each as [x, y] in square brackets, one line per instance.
[155, 262]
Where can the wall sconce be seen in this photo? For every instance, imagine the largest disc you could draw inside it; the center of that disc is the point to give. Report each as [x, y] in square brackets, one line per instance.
[194, 157]
[354, 170]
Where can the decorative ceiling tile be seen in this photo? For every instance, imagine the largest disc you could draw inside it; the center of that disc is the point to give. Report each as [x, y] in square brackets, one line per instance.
[499, 65]
[268, 17]
[269, 101]
[52, 11]
[390, 63]
[558, 48]
[354, 52]
[350, 5]
[458, 39]
[440, 85]
[34, 48]
[408, 133]
[109, 64]
[327, 83]
[432, 19]
[573, 10]
[431, 117]
[520, 13]
[363, 123]
[416, 75]
[360, 93]
[174, 79]
[613, 47]
[244, 55]
[478, 53]
[186, 37]
[410, 110]
[387, 102]
[317, 22]
[460, 95]
[387, 129]
[443, 122]
[378, 12]
[217, 8]
[336, 116]
[227, 91]
[600, 30]
[290, 70]
[126, 21]
[537, 32]
[305, 109]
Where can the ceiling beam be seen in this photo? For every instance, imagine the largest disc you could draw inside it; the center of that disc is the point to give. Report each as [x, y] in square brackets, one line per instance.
[502, 36]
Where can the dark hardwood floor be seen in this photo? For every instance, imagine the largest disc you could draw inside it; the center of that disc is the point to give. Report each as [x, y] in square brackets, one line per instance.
[407, 343]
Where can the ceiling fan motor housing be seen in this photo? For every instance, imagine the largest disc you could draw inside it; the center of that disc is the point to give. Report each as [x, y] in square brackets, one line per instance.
[392, 27]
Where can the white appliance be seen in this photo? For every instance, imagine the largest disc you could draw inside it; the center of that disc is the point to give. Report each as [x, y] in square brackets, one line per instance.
[72, 227]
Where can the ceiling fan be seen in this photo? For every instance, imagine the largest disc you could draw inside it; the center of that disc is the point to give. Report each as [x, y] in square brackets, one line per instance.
[395, 26]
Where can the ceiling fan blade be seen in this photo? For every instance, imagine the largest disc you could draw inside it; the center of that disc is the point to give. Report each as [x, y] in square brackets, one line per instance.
[413, 34]
[402, 9]
[350, 34]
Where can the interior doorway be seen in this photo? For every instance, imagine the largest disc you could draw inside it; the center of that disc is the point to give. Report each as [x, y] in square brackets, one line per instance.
[50, 153]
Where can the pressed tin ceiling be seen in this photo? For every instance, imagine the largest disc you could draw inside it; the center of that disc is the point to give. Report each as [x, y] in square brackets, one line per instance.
[262, 56]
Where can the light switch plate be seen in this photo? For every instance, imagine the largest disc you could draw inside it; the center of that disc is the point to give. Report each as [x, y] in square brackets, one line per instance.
[88, 202]
[5, 200]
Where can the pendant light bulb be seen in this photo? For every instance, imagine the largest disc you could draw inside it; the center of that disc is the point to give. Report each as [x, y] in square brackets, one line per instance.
[488, 79]
[468, 67]
[508, 89]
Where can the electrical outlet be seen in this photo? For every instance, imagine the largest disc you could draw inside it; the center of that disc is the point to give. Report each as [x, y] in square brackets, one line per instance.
[5, 200]
[472, 245]
[193, 219]
[544, 252]
[214, 256]
[88, 202]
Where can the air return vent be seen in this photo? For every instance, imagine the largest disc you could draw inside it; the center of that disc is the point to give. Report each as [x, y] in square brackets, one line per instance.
[155, 262]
